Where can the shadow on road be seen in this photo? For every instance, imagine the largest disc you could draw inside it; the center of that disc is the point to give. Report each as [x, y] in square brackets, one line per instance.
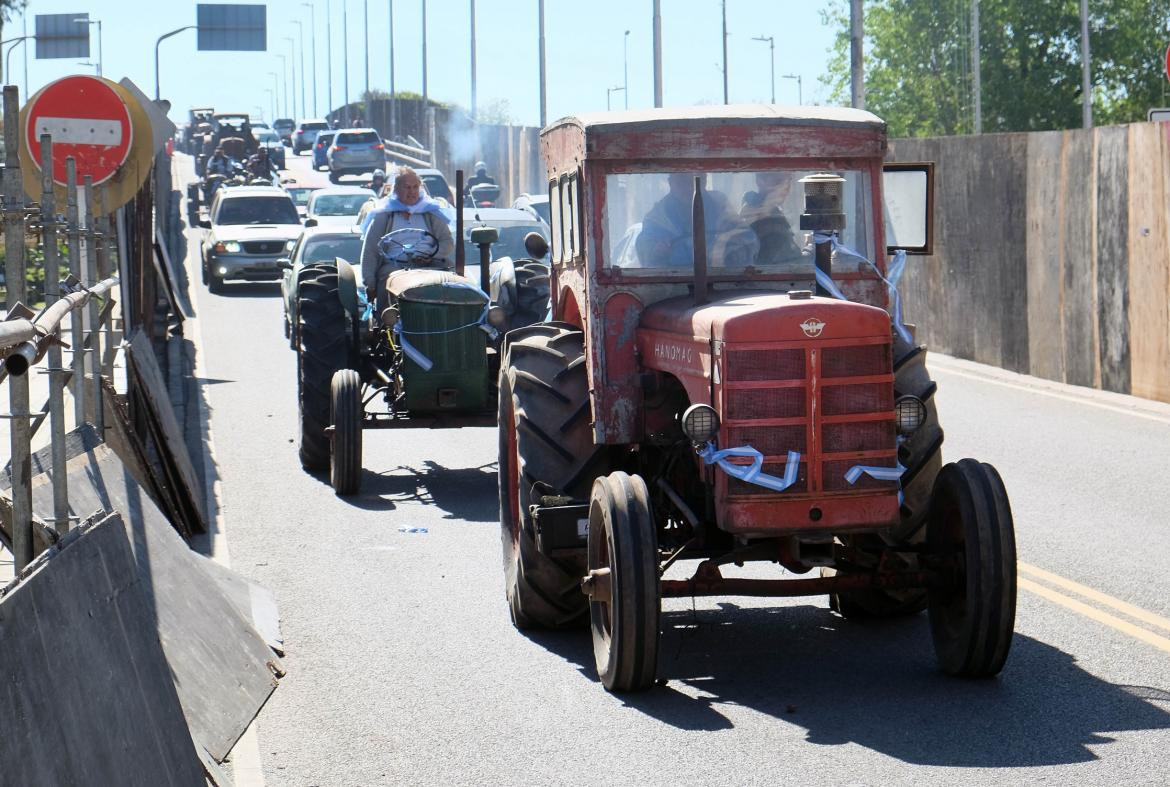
[469, 494]
[876, 685]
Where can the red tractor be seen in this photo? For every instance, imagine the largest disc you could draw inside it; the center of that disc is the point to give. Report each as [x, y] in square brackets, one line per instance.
[726, 378]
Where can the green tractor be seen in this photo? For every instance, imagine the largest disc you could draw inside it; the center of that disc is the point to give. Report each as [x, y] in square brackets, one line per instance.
[429, 359]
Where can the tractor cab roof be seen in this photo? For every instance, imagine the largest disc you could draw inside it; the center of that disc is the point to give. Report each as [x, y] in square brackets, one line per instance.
[734, 131]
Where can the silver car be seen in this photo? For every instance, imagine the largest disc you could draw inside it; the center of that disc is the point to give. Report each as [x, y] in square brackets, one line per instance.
[250, 229]
[355, 152]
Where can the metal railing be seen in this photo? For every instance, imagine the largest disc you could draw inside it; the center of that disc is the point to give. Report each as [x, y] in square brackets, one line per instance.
[400, 153]
[28, 337]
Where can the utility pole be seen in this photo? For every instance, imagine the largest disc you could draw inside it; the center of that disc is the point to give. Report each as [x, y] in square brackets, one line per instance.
[626, 67]
[772, 52]
[426, 99]
[856, 66]
[313, 36]
[977, 84]
[540, 16]
[657, 53]
[329, 55]
[366, 36]
[473, 59]
[1086, 68]
[725, 101]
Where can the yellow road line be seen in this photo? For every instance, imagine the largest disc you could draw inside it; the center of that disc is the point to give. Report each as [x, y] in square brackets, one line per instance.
[1137, 632]
[1137, 613]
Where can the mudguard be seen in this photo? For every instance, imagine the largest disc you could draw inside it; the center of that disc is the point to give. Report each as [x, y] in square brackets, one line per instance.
[347, 287]
[502, 275]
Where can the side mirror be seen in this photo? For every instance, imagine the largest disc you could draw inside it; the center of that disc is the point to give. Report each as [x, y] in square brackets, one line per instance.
[284, 263]
[205, 223]
[310, 222]
[908, 207]
[536, 245]
[481, 236]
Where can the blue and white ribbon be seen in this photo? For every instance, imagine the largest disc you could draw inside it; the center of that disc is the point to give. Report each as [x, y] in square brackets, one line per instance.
[410, 350]
[753, 473]
[893, 274]
[877, 473]
[414, 354]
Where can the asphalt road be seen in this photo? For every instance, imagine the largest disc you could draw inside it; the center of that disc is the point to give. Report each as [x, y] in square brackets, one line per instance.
[403, 667]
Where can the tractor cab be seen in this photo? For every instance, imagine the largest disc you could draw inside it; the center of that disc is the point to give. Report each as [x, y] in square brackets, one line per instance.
[726, 378]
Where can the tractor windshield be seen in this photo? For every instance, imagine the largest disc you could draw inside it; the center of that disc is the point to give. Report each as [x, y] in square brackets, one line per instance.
[752, 221]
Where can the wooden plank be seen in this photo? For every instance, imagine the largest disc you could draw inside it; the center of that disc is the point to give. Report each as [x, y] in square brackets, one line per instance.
[1149, 263]
[1044, 258]
[1078, 252]
[1113, 257]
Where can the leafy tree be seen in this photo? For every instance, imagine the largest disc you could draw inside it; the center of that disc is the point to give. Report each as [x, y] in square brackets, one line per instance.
[918, 62]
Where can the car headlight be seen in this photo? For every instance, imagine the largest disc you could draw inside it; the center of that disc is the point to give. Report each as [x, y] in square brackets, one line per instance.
[909, 414]
[222, 271]
[227, 247]
[497, 317]
[700, 423]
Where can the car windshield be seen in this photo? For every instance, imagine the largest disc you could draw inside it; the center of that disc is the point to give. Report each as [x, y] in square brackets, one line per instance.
[257, 210]
[300, 195]
[358, 138]
[231, 120]
[436, 186]
[327, 247]
[510, 244]
[266, 135]
[313, 126]
[752, 220]
[325, 140]
[339, 204]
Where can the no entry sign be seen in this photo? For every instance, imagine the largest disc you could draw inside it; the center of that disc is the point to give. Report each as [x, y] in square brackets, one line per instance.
[88, 120]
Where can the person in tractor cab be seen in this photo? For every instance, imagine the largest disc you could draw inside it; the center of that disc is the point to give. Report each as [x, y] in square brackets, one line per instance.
[666, 239]
[479, 177]
[406, 207]
[219, 164]
[764, 211]
[377, 182]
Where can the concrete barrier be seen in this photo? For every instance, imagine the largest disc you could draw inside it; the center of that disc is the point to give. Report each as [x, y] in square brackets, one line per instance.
[88, 695]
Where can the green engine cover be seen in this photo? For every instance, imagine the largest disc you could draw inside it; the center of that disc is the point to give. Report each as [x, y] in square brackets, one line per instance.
[441, 323]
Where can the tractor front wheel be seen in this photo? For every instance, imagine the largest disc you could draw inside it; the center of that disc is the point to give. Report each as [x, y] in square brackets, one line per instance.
[623, 582]
[970, 524]
[345, 455]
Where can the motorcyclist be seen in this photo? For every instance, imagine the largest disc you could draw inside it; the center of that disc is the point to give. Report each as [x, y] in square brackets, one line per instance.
[479, 177]
[378, 182]
[219, 164]
[260, 166]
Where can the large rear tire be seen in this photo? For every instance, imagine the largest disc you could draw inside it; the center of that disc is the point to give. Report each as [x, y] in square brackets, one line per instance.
[972, 620]
[546, 448]
[324, 349]
[921, 455]
[624, 602]
[345, 460]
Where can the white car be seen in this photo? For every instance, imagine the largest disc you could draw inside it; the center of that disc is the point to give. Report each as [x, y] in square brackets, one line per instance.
[336, 206]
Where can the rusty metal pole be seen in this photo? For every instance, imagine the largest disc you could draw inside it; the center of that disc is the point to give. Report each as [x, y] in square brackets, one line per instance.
[77, 329]
[94, 321]
[56, 369]
[14, 271]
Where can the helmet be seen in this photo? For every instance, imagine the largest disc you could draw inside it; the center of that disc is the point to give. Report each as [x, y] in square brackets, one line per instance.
[379, 174]
[480, 167]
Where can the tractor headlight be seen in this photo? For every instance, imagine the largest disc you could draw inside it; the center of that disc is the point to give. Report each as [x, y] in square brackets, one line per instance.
[497, 317]
[909, 414]
[700, 423]
[227, 247]
[389, 316]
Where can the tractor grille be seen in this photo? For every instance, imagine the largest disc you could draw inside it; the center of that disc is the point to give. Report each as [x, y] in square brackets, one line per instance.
[832, 404]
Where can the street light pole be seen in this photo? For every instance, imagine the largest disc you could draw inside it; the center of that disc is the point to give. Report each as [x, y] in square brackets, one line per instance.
[313, 36]
[366, 35]
[626, 67]
[609, 91]
[98, 22]
[771, 51]
[301, 32]
[657, 53]
[15, 43]
[393, 98]
[473, 59]
[275, 91]
[543, 94]
[345, 58]
[725, 101]
[292, 72]
[284, 81]
[329, 55]
[856, 61]
[162, 38]
[1086, 68]
[426, 100]
[271, 100]
[799, 87]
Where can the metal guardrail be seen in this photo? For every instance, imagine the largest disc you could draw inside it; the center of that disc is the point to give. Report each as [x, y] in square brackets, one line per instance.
[409, 154]
[27, 337]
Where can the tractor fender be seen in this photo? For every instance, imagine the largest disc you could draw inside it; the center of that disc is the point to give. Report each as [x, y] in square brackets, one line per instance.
[503, 284]
[347, 288]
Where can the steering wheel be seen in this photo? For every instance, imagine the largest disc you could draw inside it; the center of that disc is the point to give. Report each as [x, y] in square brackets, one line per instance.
[409, 246]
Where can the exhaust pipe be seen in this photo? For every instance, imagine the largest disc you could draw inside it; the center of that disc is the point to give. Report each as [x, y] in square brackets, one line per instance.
[460, 252]
[699, 242]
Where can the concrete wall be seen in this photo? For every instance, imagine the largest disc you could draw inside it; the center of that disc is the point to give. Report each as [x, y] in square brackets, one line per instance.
[1052, 254]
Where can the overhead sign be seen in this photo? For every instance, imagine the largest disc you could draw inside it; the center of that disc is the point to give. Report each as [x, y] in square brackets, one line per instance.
[62, 35]
[231, 27]
[101, 125]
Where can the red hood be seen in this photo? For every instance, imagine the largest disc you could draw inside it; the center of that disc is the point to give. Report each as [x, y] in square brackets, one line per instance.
[767, 316]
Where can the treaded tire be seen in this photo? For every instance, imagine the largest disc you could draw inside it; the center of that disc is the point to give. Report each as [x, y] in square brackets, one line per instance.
[921, 455]
[971, 622]
[324, 348]
[345, 458]
[532, 293]
[546, 447]
[623, 541]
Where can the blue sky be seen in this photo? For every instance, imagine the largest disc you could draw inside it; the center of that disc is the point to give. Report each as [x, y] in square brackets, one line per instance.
[584, 43]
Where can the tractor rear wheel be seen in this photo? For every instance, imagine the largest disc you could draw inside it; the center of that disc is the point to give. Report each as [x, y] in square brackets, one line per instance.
[971, 621]
[546, 448]
[623, 576]
[921, 455]
[324, 348]
[345, 451]
[532, 293]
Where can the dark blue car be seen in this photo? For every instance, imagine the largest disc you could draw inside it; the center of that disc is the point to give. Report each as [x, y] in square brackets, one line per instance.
[321, 147]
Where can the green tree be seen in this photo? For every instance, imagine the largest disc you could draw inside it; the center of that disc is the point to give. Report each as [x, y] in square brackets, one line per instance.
[918, 62]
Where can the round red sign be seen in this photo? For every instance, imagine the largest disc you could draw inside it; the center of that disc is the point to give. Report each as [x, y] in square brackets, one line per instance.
[88, 120]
